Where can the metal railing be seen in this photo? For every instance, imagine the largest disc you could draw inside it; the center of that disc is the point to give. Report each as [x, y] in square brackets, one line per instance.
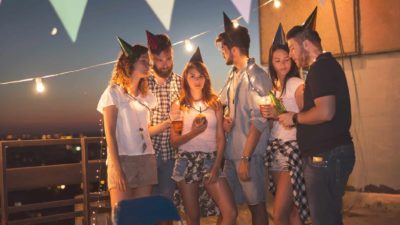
[20, 178]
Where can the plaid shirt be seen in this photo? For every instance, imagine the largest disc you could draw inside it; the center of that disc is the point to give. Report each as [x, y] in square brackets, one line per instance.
[165, 94]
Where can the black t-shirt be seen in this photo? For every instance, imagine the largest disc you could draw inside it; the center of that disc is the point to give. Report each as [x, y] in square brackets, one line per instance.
[325, 77]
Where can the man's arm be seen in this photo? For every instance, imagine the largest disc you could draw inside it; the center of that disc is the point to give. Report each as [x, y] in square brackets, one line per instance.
[251, 142]
[323, 111]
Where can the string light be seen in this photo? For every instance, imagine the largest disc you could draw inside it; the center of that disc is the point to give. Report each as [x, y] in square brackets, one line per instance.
[99, 172]
[277, 3]
[188, 45]
[39, 85]
[54, 31]
[235, 23]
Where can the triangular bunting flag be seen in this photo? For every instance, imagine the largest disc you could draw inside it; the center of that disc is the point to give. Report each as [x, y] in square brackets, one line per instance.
[243, 6]
[70, 13]
[163, 9]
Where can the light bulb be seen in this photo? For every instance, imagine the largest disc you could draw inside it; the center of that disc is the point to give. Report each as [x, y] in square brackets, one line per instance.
[235, 23]
[54, 31]
[188, 45]
[277, 3]
[39, 85]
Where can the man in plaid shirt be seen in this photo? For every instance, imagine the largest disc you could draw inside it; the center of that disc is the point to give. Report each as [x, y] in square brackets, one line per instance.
[165, 85]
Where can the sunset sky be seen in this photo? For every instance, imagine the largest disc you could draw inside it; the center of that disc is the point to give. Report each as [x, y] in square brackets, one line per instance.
[27, 49]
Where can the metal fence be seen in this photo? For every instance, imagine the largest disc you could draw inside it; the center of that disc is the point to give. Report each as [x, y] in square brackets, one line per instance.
[25, 178]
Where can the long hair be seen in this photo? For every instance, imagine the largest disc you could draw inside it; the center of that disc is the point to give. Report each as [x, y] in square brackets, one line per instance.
[124, 67]
[293, 72]
[209, 97]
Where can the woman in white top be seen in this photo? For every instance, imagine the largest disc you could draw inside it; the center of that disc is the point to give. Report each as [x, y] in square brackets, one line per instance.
[283, 157]
[125, 105]
[201, 144]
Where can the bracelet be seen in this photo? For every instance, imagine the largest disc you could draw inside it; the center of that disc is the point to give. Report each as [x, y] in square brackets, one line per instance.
[247, 158]
[294, 119]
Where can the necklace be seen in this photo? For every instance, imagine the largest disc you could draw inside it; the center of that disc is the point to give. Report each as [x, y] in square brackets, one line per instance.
[141, 130]
[201, 107]
[139, 101]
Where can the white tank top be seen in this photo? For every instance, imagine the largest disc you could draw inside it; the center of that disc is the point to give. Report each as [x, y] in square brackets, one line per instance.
[205, 141]
[289, 101]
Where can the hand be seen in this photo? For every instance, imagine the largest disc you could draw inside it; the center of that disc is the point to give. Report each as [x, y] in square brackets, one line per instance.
[212, 175]
[268, 111]
[198, 128]
[120, 178]
[286, 119]
[228, 124]
[166, 124]
[244, 170]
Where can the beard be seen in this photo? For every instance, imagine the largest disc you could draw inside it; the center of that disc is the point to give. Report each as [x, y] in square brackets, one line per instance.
[229, 60]
[304, 59]
[163, 73]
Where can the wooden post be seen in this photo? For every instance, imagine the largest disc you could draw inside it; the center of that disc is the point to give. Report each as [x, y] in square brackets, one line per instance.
[3, 181]
[85, 179]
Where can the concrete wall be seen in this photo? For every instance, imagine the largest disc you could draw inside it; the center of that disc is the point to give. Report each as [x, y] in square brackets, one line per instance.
[376, 119]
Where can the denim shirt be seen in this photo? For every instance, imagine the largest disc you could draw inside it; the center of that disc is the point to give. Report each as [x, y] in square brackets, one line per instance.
[253, 84]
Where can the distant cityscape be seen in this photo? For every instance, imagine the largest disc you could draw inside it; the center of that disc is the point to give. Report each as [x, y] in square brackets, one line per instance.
[61, 154]
[13, 137]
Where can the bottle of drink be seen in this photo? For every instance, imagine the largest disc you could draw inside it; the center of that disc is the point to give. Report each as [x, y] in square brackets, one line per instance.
[280, 108]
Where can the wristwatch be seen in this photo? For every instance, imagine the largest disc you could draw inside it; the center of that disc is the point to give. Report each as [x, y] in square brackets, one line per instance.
[247, 158]
[294, 119]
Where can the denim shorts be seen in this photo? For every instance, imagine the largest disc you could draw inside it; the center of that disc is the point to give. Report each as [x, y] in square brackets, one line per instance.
[277, 154]
[166, 186]
[280, 162]
[193, 166]
[252, 191]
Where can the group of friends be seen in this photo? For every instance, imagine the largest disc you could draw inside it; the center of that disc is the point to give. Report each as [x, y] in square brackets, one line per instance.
[166, 131]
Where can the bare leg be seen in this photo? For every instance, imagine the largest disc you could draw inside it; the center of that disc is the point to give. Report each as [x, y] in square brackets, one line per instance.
[295, 216]
[283, 203]
[140, 192]
[222, 195]
[190, 196]
[259, 214]
[117, 195]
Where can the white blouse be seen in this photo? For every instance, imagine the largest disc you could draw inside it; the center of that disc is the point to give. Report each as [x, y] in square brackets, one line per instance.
[133, 114]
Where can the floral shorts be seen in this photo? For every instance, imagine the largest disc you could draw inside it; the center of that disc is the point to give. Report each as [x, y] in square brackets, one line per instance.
[193, 166]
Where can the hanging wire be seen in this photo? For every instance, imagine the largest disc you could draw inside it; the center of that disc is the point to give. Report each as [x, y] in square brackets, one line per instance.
[113, 61]
[99, 172]
[360, 122]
